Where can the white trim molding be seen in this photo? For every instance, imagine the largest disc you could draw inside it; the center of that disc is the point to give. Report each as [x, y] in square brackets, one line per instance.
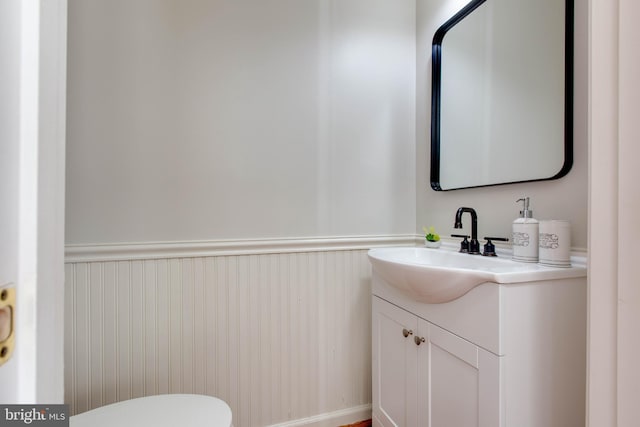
[190, 249]
[204, 248]
[613, 373]
[332, 419]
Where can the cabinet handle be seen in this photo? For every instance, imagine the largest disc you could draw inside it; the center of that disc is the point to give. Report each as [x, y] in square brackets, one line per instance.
[407, 332]
[419, 340]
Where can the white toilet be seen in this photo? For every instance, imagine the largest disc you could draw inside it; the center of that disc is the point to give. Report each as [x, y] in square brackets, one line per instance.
[167, 410]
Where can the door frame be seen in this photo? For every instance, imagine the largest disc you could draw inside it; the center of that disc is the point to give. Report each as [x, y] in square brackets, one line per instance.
[614, 200]
[51, 199]
[39, 352]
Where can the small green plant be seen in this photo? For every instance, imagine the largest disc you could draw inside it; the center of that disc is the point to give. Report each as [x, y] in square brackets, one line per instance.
[430, 234]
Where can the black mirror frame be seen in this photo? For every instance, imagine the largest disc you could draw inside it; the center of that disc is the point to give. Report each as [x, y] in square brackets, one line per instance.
[436, 79]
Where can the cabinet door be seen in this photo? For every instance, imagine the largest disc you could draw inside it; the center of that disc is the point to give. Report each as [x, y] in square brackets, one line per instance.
[394, 366]
[459, 383]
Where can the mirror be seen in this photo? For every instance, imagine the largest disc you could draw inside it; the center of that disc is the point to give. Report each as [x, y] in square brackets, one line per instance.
[502, 98]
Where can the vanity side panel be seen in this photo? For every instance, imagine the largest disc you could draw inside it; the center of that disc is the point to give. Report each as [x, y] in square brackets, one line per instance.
[544, 337]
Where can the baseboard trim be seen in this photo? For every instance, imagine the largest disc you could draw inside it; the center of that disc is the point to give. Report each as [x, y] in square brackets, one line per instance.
[332, 419]
[192, 249]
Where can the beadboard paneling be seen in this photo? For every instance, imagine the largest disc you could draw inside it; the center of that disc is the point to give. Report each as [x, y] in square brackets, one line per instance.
[279, 336]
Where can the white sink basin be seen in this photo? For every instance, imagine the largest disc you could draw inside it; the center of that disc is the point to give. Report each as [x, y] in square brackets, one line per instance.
[440, 275]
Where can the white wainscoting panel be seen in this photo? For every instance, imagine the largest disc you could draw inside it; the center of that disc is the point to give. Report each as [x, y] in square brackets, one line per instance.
[279, 336]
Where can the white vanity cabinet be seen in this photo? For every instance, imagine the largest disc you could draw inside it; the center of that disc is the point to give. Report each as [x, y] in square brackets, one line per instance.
[425, 375]
[500, 356]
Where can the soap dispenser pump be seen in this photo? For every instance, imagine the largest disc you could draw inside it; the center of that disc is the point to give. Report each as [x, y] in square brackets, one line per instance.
[525, 234]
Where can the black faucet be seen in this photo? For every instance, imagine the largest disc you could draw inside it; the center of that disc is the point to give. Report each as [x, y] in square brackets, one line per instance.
[474, 245]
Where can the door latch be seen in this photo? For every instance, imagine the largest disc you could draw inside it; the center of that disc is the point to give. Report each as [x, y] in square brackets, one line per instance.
[7, 323]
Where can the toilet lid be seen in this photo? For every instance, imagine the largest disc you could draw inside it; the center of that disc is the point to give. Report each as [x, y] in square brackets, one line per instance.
[167, 410]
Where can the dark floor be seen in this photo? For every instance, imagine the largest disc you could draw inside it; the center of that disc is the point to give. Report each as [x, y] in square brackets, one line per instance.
[366, 423]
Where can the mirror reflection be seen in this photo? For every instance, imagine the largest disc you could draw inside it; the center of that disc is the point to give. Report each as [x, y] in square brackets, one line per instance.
[502, 98]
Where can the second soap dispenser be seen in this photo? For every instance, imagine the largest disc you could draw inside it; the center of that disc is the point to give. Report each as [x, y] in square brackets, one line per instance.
[525, 235]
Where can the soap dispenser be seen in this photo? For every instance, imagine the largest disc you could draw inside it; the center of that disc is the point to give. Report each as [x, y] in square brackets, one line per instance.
[525, 235]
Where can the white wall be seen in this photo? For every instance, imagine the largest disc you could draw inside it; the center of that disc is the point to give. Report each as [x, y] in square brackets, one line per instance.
[287, 123]
[229, 119]
[559, 199]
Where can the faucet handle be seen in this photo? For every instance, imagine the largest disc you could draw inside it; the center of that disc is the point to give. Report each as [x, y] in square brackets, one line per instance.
[489, 248]
[464, 245]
